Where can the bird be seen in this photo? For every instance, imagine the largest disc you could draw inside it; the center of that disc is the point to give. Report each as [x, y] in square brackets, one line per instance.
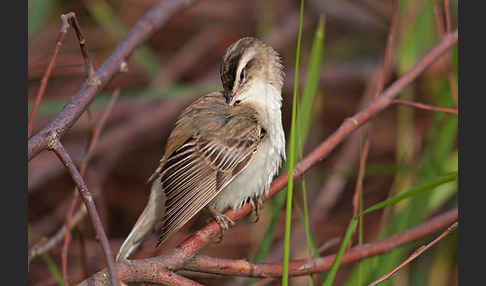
[224, 150]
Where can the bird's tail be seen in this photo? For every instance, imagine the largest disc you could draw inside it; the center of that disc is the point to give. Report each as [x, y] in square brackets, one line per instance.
[150, 217]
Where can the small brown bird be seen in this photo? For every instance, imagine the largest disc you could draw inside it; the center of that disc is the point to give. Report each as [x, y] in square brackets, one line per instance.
[225, 149]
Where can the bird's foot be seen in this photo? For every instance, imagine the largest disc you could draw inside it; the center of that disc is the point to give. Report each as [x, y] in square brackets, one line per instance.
[223, 221]
[256, 206]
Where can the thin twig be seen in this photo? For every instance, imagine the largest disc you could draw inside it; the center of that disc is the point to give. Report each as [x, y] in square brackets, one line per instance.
[47, 73]
[384, 75]
[88, 64]
[361, 173]
[68, 20]
[387, 58]
[84, 165]
[441, 30]
[447, 12]
[416, 253]
[439, 23]
[43, 247]
[56, 146]
[451, 77]
[186, 250]
[426, 106]
[328, 244]
[83, 254]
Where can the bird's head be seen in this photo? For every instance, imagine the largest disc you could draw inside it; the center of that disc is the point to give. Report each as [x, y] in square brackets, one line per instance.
[249, 63]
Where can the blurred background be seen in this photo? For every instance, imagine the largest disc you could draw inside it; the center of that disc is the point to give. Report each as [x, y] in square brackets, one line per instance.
[181, 62]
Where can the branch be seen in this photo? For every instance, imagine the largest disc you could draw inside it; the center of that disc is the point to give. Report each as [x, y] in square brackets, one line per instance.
[136, 270]
[300, 267]
[56, 146]
[416, 253]
[69, 18]
[84, 165]
[142, 30]
[426, 107]
[177, 257]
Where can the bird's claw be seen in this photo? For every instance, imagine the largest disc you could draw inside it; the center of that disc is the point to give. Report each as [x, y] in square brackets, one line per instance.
[223, 221]
[256, 206]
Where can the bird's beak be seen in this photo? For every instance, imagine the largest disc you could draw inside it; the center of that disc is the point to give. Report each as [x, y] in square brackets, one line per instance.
[236, 95]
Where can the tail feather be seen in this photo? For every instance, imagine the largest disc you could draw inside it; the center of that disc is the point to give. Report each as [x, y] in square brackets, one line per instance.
[150, 217]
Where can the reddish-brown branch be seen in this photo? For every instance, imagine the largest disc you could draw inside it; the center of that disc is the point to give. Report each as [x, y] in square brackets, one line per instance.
[84, 165]
[208, 264]
[153, 272]
[361, 173]
[47, 73]
[187, 250]
[136, 270]
[447, 12]
[439, 23]
[82, 255]
[416, 254]
[387, 58]
[142, 30]
[426, 107]
[56, 146]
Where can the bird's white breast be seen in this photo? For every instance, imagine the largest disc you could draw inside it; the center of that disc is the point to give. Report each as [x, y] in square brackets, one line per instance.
[256, 178]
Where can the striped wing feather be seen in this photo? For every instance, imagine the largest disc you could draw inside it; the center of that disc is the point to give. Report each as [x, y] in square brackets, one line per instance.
[202, 166]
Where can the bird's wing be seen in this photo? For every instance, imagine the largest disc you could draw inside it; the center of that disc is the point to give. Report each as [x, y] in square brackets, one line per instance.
[205, 163]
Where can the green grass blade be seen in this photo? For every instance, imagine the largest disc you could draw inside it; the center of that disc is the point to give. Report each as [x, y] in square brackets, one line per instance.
[305, 108]
[304, 118]
[311, 247]
[413, 192]
[53, 269]
[335, 265]
[291, 157]
[312, 83]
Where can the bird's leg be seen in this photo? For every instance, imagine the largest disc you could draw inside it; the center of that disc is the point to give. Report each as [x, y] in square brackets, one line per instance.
[223, 220]
[256, 206]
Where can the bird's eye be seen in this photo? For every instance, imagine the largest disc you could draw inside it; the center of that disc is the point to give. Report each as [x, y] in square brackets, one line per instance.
[243, 75]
